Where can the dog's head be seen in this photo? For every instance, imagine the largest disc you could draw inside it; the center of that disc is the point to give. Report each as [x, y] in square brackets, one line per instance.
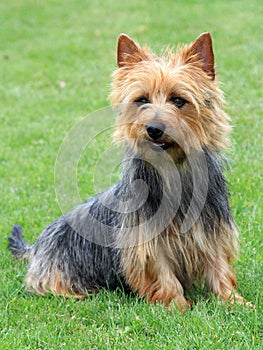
[170, 102]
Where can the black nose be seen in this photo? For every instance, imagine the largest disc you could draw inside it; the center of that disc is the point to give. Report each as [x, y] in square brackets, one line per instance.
[155, 130]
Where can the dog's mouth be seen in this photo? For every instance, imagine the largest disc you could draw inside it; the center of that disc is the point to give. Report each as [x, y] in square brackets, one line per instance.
[158, 145]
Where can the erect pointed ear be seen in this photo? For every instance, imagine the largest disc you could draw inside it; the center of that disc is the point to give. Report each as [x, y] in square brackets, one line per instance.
[128, 50]
[202, 47]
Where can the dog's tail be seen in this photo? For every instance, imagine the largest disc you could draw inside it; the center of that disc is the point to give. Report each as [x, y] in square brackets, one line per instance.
[18, 247]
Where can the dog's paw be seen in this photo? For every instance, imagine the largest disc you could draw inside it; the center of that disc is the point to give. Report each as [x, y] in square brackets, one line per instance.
[180, 303]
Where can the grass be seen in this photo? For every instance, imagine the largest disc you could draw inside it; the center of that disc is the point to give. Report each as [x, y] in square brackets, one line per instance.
[56, 60]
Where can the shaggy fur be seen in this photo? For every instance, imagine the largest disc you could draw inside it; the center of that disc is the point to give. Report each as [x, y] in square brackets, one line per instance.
[167, 222]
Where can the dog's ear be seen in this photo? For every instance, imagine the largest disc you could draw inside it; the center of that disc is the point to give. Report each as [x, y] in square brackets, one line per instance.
[128, 51]
[203, 49]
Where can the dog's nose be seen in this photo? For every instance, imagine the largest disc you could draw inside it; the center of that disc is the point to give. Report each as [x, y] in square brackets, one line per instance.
[155, 130]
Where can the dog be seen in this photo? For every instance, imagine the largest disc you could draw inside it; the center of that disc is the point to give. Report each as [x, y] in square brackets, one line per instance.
[167, 223]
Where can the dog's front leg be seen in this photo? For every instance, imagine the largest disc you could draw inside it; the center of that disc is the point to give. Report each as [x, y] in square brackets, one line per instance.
[155, 280]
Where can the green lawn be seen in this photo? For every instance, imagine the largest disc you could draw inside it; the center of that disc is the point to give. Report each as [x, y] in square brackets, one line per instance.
[56, 62]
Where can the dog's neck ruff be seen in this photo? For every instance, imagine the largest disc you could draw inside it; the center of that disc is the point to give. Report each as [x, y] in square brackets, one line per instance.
[194, 190]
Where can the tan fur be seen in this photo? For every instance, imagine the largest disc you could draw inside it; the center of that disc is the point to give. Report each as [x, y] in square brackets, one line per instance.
[162, 267]
[159, 78]
[53, 283]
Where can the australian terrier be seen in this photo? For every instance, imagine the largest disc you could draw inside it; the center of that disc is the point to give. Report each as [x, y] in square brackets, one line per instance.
[167, 223]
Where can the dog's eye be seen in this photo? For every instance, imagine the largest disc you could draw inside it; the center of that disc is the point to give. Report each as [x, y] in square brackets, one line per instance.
[141, 101]
[179, 102]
